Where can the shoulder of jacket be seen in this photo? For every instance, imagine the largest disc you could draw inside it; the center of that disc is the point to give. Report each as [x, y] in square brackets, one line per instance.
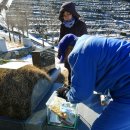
[62, 26]
[80, 22]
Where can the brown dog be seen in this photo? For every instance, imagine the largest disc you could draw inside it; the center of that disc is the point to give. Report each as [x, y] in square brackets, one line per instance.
[16, 89]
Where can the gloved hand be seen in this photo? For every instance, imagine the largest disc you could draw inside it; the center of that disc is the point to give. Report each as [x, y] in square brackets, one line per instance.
[61, 92]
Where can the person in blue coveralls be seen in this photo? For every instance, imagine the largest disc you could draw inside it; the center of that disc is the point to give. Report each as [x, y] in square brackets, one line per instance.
[98, 64]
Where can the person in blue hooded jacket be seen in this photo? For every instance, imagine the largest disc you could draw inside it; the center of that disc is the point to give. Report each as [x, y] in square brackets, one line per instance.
[99, 64]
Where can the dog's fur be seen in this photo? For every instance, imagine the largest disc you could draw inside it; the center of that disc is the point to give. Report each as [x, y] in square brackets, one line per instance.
[16, 89]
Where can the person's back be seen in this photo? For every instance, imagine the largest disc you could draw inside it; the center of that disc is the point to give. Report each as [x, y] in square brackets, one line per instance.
[109, 61]
[100, 64]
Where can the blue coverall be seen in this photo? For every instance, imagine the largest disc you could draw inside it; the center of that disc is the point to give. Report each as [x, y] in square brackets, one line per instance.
[99, 64]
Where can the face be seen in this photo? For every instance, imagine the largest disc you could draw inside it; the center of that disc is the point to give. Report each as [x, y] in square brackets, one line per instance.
[67, 16]
[67, 52]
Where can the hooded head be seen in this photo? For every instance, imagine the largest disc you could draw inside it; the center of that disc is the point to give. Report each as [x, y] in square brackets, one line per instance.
[65, 42]
[69, 7]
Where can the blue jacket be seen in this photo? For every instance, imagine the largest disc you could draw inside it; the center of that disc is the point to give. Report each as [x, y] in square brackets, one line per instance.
[99, 64]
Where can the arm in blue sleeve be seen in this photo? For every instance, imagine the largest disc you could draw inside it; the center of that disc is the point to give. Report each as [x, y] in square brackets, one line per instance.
[83, 76]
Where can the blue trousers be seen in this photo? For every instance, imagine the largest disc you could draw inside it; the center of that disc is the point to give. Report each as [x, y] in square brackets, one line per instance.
[116, 116]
